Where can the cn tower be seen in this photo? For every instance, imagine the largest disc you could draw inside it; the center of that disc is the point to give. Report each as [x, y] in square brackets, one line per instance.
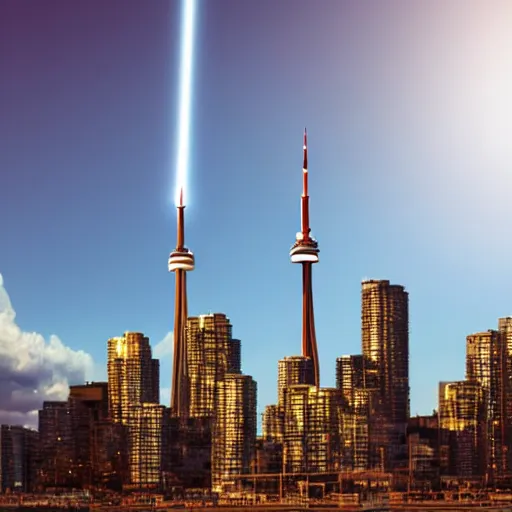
[305, 251]
[181, 261]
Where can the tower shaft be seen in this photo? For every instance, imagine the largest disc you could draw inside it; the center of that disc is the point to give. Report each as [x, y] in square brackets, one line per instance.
[180, 380]
[309, 346]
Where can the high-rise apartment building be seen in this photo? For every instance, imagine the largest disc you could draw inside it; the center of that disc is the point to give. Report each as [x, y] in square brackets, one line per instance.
[505, 329]
[145, 445]
[488, 363]
[110, 461]
[133, 375]
[234, 429]
[134, 394]
[186, 449]
[426, 442]
[79, 445]
[56, 445]
[313, 425]
[463, 413]
[350, 381]
[292, 370]
[87, 408]
[211, 353]
[93, 395]
[269, 459]
[385, 341]
[349, 373]
[273, 423]
[18, 459]
[354, 440]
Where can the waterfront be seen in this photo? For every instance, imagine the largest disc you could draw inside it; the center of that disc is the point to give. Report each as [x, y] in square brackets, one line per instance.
[323, 507]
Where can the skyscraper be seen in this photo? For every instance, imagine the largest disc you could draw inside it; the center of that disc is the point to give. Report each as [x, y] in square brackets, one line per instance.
[87, 408]
[133, 375]
[234, 429]
[487, 363]
[134, 396]
[354, 440]
[273, 423]
[505, 329]
[145, 445]
[312, 429]
[181, 261]
[350, 382]
[211, 352]
[79, 445]
[385, 341]
[305, 251]
[18, 456]
[463, 413]
[292, 370]
[349, 377]
[56, 445]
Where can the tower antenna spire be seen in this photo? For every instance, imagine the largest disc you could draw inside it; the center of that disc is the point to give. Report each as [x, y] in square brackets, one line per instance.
[305, 197]
[305, 151]
[181, 222]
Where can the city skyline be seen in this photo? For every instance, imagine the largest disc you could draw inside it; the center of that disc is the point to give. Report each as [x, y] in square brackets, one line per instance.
[401, 190]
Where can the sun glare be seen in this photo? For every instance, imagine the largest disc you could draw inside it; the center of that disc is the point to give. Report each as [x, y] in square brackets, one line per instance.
[185, 97]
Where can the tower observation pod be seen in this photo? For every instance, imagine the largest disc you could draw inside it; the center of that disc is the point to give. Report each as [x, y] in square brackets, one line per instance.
[181, 261]
[305, 251]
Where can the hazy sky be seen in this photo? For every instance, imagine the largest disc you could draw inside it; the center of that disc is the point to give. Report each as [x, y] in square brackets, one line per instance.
[409, 113]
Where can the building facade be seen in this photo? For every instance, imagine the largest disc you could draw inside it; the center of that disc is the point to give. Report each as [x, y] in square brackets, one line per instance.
[56, 446]
[463, 414]
[385, 343]
[273, 423]
[487, 362]
[145, 445]
[234, 430]
[87, 406]
[133, 375]
[292, 370]
[425, 441]
[79, 446]
[212, 352]
[18, 459]
[313, 430]
[350, 380]
[187, 452]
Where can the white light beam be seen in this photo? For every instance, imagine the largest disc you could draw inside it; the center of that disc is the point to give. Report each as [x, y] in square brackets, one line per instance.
[185, 96]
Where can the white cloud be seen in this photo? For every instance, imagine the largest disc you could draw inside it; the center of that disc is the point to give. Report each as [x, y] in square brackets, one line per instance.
[32, 369]
[165, 347]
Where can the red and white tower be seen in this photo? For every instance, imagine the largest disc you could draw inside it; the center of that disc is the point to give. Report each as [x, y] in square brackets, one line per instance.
[305, 251]
[181, 261]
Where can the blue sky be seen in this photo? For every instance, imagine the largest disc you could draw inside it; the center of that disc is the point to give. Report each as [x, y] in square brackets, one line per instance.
[408, 111]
